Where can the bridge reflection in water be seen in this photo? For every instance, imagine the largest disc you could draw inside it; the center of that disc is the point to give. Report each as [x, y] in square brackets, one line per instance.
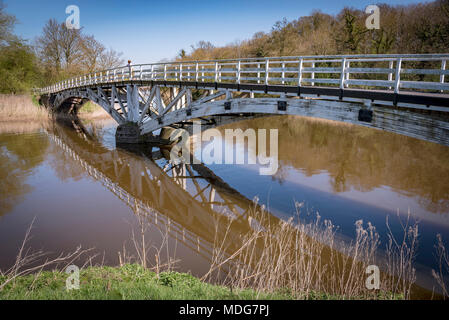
[184, 200]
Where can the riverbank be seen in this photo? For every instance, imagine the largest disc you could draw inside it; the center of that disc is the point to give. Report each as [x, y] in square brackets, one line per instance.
[132, 282]
[15, 108]
[21, 108]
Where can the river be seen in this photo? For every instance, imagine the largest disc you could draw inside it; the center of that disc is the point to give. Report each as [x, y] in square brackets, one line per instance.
[82, 189]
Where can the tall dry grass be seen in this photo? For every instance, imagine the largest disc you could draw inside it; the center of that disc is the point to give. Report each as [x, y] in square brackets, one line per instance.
[157, 258]
[20, 107]
[442, 273]
[308, 259]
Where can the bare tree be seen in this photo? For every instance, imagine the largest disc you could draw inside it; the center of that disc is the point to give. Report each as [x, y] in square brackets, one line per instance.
[69, 43]
[48, 46]
[111, 59]
[92, 51]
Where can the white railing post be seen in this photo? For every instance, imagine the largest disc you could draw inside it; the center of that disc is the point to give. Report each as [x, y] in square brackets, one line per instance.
[152, 72]
[196, 72]
[342, 73]
[267, 68]
[165, 72]
[180, 72]
[443, 68]
[300, 71]
[202, 73]
[397, 79]
[258, 73]
[312, 76]
[348, 65]
[216, 71]
[238, 71]
[140, 72]
[283, 72]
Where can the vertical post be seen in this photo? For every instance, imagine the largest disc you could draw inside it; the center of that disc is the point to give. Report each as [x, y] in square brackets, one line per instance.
[397, 79]
[267, 67]
[348, 63]
[342, 73]
[202, 73]
[258, 73]
[159, 102]
[216, 71]
[130, 104]
[283, 72]
[115, 74]
[180, 72]
[111, 106]
[165, 72]
[313, 74]
[152, 72]
[135, 106]
[300, 71]
[140, 72]
[443, 68]
[196, 72]
[238, 71]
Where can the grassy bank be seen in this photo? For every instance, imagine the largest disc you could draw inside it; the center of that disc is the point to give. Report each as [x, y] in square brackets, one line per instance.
[127, 282]
[131, 281]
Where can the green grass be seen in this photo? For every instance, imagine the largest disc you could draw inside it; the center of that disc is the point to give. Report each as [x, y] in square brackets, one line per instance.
[35, 100]
[127, 282]
[133, 282]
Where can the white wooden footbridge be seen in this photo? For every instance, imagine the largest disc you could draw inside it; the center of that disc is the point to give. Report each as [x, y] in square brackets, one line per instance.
[407, 94]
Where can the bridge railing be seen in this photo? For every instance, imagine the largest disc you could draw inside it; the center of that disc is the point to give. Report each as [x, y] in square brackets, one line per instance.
[416, 72]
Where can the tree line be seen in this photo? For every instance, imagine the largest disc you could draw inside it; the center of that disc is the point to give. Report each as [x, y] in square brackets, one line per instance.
[58, 53]
[414, 28]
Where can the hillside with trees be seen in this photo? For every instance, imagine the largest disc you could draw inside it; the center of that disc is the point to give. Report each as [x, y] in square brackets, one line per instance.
[415, 28]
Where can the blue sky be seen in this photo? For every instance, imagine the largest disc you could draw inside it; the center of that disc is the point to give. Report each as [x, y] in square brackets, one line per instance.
[148, 31]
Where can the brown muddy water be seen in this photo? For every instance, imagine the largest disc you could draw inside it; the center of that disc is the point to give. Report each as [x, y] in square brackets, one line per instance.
[82, 189]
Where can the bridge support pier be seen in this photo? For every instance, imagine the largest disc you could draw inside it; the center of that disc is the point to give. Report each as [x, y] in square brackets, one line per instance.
[129, 133]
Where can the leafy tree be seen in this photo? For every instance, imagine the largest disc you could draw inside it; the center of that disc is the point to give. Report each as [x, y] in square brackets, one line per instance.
[18, 68]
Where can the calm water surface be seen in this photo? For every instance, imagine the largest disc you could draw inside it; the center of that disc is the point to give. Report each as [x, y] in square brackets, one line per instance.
[83, 190]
